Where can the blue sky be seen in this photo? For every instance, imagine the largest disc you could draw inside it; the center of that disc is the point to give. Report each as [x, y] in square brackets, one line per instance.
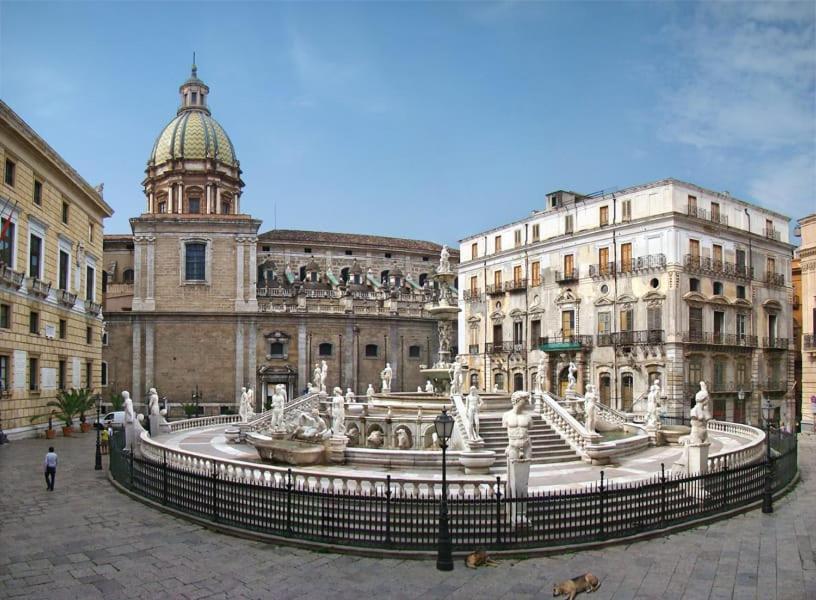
[428, 120]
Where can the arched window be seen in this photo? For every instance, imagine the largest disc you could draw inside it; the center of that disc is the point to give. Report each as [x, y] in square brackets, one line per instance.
[344, 274]
[325, 349]
[384, 277]
[474, 380]
[194, 261]
[423, 279]
[627, 391]
[605, 387]
[372, 351]
[414, 351]
[498, 381]
[302, 273]
[226, 205]
[127, 276]
[518, 382]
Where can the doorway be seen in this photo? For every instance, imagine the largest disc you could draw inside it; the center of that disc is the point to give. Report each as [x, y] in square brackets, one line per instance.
[518, 382]
[605, 388]
[627, 391]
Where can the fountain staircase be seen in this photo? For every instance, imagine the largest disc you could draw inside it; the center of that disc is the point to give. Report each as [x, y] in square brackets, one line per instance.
[548, 446]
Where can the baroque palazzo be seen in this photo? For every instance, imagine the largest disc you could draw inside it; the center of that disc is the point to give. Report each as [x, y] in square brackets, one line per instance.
[198, 302]
[665, 280]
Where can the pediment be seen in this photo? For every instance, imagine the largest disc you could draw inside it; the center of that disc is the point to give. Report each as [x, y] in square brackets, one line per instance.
[742, 303]
[652, 296]
[567, 297]
[694, 297]
[604, 301]
[719, 299]
[772, 305]
[626, 299]
[474, 319]
[277, 336]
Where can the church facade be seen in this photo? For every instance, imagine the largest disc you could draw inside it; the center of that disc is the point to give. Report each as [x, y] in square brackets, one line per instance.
[198, 303]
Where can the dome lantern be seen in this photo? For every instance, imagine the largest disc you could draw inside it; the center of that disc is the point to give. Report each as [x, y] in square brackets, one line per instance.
[193, 93]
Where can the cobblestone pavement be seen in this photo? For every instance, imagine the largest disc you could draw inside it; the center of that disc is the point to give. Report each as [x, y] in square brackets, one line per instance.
[87, 540]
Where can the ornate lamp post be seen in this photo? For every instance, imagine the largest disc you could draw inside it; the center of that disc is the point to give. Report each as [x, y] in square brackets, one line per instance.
[443, 424]
[767, 498]
[98, 463]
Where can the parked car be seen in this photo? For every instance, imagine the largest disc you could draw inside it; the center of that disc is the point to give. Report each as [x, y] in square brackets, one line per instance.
[112, 419]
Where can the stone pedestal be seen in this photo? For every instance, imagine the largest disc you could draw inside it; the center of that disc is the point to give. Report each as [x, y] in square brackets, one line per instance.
[477, 461]
[655, 436]
[697, 458]
[518, 477]
[336, 449]
[537, 400]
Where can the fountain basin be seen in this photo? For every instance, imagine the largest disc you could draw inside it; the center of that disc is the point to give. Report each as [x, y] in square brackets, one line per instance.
[672, 433]
[289, 452]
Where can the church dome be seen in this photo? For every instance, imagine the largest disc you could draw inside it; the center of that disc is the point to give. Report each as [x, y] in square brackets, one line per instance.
[193, 134]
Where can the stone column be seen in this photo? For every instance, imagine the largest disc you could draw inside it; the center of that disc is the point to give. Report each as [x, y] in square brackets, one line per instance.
[180, 198]
[137, 271]
[239, 273]
[150, 379]
[149, 301]
[580, 363]
[547, 373]
[252, 294]
[303, 359]
[209, 199]
[136, 391]
[239, 361]
[252, 358]
[217, 200]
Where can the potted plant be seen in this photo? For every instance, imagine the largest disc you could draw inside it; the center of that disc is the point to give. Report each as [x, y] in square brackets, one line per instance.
[85, 401]
[190, 409]
[66, 406]
[51, 433]
[117, 402]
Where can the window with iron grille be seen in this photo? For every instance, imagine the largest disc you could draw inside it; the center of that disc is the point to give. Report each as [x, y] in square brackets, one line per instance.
[194, 261]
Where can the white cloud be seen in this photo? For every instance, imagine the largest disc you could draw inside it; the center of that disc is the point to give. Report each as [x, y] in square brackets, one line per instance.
[788, 184]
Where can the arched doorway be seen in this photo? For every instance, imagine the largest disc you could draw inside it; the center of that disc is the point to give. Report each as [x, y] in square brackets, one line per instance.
[498, 382]
[605, 388]
[518, 382]
[563, 381]
[627, 391]
[474, 380]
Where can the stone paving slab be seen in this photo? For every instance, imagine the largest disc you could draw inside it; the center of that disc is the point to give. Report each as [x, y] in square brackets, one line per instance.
[86, 540]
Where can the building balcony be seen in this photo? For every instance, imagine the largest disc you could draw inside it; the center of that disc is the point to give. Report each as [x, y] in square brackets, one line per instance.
[493, 289]
[602, 270]
[566, 276]
[503, 347]
[472, 295]
[274, 292]
[773, 234]
[38, 287]
[473, 349]
[775, 343]
[722, 387]
[67, 298]
[632, 338]
[774, 385]
[11, 277]
[557, 343]
[775, 279]
[711, 216]
[92, 307]
[710, 266]
[809, 342]
[719, 339]
[515, 285]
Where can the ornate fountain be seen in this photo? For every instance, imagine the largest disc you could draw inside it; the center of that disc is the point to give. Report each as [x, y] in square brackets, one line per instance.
[444, 308]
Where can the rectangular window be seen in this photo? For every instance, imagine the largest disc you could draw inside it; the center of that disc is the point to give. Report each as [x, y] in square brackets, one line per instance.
[5, 316]
[33, 374]
[61, 373]
[695, 322]
[88, 334]
[719, 322]
[63, 329]
[518, 331]
[4, 373]
[568, 265]
[535, 330]
[517, 274]
[194, 261]
[517, 237]
[536, 273]
[497, 279]
[654, 318]
[474, 250]
[567, 322]
[474, 285]
[604, 216]
[65, 212]
[64, 266]
[741, 292]
[35, 256]
[740, 378]
[38, 187]
[34, 323]
[771, 266]
[603, 261]
[90, 283]
[194, 205]
[7, 242]
[536, 232]
[695, 372]
[10, 172]
[626, 209]
[497, 334]
[741, 326]
[90, 232]
[104, 374]
[741, 258]
[692, 205]
[627, 320]
[717, 256]
[162, 207]
[604, 322]
[567, 223]
[89, 375]
[626, 258]
[414, 351]
[715, 212]
[497, 244]
[694, 248]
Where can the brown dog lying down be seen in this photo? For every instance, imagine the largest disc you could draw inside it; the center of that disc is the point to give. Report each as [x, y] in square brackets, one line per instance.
[572, 587]
[479, 559]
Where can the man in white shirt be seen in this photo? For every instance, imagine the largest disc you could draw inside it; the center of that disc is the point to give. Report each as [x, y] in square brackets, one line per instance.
[50, 465]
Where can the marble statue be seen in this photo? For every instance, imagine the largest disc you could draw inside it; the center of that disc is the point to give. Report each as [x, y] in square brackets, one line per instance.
[429, 388]
[153, 402]
[571, 377]
[278, 404]
[653, 406]
[316, 376]
[324, 371]
[496, 388]
[456, 377]
[403, 439]
[700, 416]
[474, 403]
[517, 423]
[242, 405]
[311, 427]
[130, 418]
[250, 410]
[590, 408]
[138, 430]
[350, 398]
[370, 393]
[386, 375]
[375, 439]
[444, 260]
[419, 389]
[540, 377]
[338, 412]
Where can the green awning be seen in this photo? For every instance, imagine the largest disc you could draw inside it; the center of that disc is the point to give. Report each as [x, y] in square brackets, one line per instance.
[330, 276]
[290, 277]
[372, 281]
[410, 281]
[559, 346]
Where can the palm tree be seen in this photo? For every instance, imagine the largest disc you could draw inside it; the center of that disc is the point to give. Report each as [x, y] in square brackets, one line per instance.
[66, 406]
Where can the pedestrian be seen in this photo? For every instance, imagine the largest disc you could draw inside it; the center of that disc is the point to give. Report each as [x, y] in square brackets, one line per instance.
[103, 440]
[50, 465]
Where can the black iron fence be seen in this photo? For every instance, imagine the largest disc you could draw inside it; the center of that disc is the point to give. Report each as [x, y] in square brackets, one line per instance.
[603, 511]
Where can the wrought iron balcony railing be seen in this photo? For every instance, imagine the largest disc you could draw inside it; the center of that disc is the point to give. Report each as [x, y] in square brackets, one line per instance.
[557, 341]
[473, 349]
[472, 295]
[710, 266]
[67, 298]
[722, 387]
[712, 216]
[630, 338]
[775, 343]
[774, 385]
[606, 269]
[38, 287]
[773, 234]
[809, 341]
[650, 262]
[566, 276]
[775, 279]
[493, 289]
[11, 277]
[719, 339]
[275, 292]
[515, 285]
[92, 307]
[503, 347]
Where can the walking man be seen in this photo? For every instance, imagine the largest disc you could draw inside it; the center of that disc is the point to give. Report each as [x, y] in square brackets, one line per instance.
[50, 465]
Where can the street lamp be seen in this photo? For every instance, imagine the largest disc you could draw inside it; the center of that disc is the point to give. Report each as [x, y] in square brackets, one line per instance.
[443, 424]
[98, 463]
[767, 497]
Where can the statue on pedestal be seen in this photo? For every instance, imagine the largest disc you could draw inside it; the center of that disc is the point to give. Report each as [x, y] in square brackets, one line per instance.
[153, 402]
[539, 379]
[653, 406]
[278, 404]
[700, 416]
[444, 260]
[386, 375]
[350, 399]
[316, 377]
[370, 393]
[590, 408]
[338, 412]
[324, 371]
[456, 376]
[517, 423]
[429, 388]
[130, 418]
[474, 403]
[242, 405]
[571, 371]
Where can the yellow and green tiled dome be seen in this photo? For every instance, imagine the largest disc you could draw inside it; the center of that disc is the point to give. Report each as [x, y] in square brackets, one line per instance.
[193, 134]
